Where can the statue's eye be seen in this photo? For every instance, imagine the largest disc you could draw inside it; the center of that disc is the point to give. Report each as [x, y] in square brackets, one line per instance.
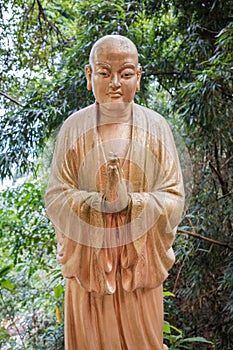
[127, 74]
[103, 73]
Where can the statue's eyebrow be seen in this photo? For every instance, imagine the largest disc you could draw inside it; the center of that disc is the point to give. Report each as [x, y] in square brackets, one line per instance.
[128, 65]
[103, 64]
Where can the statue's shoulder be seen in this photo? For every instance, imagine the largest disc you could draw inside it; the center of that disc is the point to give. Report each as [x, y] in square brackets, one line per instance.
[78, 117]
[77, 122]
[151, 116]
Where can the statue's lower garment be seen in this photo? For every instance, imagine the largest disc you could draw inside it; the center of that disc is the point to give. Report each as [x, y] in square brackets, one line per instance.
[119, 321]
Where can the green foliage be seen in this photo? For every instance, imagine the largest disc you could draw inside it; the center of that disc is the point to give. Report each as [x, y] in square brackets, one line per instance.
[205, 107]
[173, 336]
[176, 341]
[31, 286]
[24, 215]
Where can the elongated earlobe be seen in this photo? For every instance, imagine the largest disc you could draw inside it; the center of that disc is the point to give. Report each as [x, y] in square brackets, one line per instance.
[139, 74]
[88, 74]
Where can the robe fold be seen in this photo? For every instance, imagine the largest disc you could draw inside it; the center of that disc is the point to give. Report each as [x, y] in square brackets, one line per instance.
[115, 263]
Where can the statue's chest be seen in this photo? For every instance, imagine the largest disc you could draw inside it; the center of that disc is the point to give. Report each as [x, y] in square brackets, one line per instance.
[115, 138]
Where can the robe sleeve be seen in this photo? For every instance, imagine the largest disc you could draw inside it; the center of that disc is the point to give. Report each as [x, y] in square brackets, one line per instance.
[155, 215]
[74, 211]
[76, 214]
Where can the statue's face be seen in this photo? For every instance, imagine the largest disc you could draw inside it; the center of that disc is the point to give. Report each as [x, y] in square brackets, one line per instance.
[114, 74]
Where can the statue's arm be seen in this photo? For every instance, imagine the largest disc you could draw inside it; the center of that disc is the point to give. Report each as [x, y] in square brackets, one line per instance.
[164, 199]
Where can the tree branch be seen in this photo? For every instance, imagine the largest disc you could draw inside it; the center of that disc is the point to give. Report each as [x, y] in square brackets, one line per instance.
[210, 240]
[10, 98]
[45, 18]
[220, 178]
[207, 30]
[168, 73]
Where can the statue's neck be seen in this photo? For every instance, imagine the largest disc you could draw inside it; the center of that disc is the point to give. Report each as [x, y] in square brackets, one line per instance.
[115, 112]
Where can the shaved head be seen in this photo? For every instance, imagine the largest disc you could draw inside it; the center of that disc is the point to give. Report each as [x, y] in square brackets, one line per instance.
[109, 42]
[113, 73]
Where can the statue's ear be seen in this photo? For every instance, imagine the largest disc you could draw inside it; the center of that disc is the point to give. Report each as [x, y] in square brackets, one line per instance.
[88, 73]
[139, 74]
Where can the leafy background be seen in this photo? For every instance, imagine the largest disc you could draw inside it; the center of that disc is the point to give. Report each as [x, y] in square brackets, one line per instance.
[185, 49]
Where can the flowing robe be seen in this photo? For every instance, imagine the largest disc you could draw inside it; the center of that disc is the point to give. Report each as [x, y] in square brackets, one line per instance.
[115, 263]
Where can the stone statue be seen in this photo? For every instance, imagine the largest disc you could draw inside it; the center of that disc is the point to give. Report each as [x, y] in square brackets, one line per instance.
[115, 197]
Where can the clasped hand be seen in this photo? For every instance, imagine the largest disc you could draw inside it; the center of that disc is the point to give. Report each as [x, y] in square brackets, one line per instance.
[116, 195]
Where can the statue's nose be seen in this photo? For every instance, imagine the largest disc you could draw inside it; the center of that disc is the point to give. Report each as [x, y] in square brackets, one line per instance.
[115, 81]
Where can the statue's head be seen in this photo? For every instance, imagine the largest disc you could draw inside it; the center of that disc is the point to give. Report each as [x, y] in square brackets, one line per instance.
[113, 73]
